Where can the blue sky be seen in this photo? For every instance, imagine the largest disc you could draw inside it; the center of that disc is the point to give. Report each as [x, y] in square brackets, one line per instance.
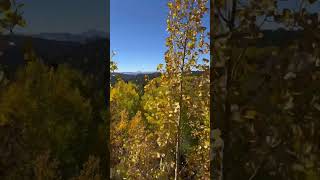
[138, 33]
[72, 16]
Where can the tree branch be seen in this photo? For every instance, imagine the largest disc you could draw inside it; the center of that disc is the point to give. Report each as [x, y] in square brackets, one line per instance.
[222, 16]
[233, 14]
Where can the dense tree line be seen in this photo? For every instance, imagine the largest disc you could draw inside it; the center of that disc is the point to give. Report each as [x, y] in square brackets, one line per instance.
[48, 117]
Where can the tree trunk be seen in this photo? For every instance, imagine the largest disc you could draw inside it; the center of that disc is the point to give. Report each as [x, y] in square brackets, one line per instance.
[178, 138]
[211, 88]
[177, 168]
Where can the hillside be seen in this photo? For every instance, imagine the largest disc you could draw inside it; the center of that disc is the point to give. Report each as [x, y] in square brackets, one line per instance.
[89, 57]
[134, 78]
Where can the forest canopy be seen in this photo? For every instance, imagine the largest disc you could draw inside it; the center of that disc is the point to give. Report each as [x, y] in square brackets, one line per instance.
[52, 123]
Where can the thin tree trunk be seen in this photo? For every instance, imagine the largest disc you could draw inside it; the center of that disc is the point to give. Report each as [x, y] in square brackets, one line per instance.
[178, 138]
[212, 168]
[227, 105]
[177, 168]
[227, 122]
[223, 123]
[216, 120]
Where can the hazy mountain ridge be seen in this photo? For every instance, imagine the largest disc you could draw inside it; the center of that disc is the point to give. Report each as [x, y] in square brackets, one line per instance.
[87, 57]
[88, 54]
[138, 77]
[135, 77]
[137, 72]
[71, 37]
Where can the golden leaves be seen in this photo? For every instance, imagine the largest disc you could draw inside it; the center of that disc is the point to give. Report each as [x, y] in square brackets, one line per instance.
[190, 45]
[161, 104]
[250, 114]
[160, 66]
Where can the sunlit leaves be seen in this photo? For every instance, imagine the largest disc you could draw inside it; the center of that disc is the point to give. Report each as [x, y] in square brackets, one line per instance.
[124, 96]
[144, 140]
[186, 43]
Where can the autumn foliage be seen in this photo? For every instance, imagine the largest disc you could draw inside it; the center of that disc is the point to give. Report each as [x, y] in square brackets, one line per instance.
[164, 132]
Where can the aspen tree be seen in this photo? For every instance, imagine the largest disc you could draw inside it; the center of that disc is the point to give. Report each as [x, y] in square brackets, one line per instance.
[185, 43]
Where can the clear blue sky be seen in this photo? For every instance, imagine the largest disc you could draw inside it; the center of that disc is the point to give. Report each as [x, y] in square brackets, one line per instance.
[72, 16]
[138, 33]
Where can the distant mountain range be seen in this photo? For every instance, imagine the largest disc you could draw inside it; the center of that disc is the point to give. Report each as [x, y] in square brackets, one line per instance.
[138, 77]
[69, 37]
[87, 51]
[89, 57]
[134, 77]
[137, 72]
